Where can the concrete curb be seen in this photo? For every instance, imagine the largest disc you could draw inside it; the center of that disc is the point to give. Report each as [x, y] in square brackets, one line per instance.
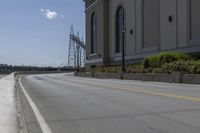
[27, 119]
[8, 111]
[21, 119]
[21, 115]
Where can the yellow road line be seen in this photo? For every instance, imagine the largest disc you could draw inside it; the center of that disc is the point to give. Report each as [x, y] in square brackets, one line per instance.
[166, 95]
[194, 99]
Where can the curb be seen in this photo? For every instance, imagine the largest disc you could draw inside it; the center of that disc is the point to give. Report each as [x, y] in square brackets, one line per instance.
[20, 114]
[8, 113]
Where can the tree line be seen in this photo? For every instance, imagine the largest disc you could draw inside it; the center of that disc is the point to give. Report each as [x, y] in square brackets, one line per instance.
[6, 69]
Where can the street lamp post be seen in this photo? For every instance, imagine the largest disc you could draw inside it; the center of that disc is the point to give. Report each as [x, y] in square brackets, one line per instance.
[123, 49]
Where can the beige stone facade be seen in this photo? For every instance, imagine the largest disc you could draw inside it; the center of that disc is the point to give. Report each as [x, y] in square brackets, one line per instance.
[151, 26]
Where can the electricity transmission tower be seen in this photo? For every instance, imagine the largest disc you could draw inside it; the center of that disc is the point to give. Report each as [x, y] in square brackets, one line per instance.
[76, 55]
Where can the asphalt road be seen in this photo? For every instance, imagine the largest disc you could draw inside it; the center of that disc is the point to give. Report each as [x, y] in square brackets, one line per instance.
[72, 104]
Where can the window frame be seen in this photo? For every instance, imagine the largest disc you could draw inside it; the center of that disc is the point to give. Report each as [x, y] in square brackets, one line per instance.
[93, 33]
[119, 18]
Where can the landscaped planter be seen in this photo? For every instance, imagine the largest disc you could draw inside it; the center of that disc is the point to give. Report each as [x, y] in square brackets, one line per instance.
[191, 78]
[170, 78]
[87, 74]
[113, 75]
[99, 75]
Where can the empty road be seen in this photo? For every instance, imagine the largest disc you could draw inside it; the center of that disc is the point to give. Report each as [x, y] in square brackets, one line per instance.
[72, 104]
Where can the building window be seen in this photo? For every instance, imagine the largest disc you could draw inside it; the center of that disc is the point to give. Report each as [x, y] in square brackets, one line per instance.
[93, 33]
[120, 24]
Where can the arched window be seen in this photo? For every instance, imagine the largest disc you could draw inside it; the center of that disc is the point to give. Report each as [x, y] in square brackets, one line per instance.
[93, 33]
[120, 24]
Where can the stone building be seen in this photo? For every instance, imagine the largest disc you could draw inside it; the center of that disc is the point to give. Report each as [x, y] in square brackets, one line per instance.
[150, 26]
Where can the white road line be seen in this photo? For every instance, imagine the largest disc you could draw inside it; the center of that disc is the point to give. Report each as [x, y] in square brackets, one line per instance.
[43, 124]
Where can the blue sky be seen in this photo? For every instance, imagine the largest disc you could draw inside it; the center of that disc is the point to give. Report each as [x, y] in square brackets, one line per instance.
[35, 32]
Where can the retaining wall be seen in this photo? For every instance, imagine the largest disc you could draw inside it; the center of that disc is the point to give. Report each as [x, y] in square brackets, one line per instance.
[170, 78]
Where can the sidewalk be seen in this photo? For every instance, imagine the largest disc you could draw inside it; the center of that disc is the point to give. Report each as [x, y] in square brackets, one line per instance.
[8, 115]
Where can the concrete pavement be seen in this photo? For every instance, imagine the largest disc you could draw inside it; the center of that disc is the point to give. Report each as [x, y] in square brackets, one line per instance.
[8, 112]
[82, 105]
[1, 76]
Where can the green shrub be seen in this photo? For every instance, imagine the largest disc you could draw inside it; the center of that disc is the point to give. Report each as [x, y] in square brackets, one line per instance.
[135, 69]
[159, 70]
[178, 66]
[156, 61]
[194, 67]
[151, 61]
[149, 70]
[82, 70]
[146, 62]
[114, 69]
[99, 69]
[195, 56]
[190, 66]
[167, 57]
[92, 68]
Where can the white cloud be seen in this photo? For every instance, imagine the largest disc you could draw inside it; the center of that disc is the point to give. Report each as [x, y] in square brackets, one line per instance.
[49, 14]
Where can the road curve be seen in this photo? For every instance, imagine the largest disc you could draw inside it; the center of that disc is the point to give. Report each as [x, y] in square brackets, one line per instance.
[72, 104]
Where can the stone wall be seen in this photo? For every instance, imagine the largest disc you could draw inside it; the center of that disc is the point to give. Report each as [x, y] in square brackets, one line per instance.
[170, 78]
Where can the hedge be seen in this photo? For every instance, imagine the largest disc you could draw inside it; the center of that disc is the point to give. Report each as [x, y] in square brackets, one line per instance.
[162, 63]
[156, 61]
[190, 66]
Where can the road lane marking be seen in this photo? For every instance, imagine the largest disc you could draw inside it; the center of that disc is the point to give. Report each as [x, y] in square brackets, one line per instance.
[194, 99]
[43, 124]
[166, 95]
